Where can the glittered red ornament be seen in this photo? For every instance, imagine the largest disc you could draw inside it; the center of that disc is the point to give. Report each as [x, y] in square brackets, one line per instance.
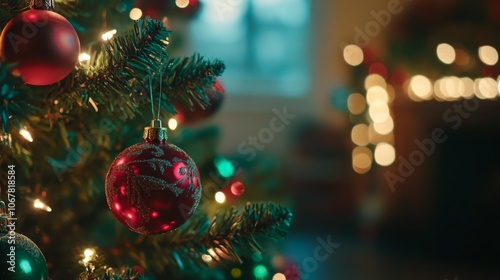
[153, 187]
[43, 45]
[187, 116]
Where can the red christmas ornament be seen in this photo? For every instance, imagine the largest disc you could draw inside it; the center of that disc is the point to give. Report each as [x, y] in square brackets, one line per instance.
[187, 116]
[42, 43]
[153, 187]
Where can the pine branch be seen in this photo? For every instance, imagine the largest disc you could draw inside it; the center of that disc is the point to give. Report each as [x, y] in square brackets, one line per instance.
[227, 237]
[113, 83]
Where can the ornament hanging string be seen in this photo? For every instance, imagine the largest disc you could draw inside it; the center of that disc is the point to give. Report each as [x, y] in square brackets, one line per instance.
[161, 69]
[151, 94]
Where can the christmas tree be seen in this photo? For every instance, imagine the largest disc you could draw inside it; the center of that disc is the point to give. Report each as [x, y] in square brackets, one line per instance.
[73, 108]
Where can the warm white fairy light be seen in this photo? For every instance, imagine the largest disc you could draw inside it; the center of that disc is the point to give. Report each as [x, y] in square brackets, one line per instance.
[421, 86]
[91, 101]
[362, 159]
[385, 154]
[353, 55]
[84, 57]
[40, 205]
[172, 124]
[446, 53]
[89, 255]
[182, 3]
[206, 258]
[488, 55]
[279, 276]
[135, 14]
[220, 197]
[108, 35]
[26, 134]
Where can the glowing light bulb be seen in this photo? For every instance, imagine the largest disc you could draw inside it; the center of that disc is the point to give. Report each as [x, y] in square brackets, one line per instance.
[206, 258]
[40, 205]
[220, 197]
[279, 276]
[135, 14]
[182, 3]
[84, 57]
[89, 252]
[108, 35]
[172, 124]
[488, 55]
[385, 154]
[353, 55]
[446, 53]
[26, 134]
[421, 86]
[356, 103]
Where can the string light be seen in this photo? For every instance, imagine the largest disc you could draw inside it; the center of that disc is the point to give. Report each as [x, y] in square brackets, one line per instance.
[172, 124]
[421, 87]
[359, 135]
[182, 3]
[376, 93]
[362, 158]
[375, 80]
[26, 134]
[379, 111]
[279, 276]
[220, 197]
[353, 55]
[446, 53]
[40, 205]
[385, 154]
[206, 258]
[135, 14]
[108, 35]
[488, 55]
[91, 101]
[356, 103]
[89, 255]
[84, 57]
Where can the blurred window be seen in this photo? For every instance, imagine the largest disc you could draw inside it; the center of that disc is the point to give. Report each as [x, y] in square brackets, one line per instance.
[264, 43]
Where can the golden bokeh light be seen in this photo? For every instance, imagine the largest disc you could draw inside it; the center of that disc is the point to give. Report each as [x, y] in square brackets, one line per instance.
[383, 128]
[468, 84]
[391, 93]
[488, 88]
[379, 111]
[353, 55]
[135, 14]
[385, 154]
[488, 55]
[356, 103]
[376, 93]
[454, 87]
[362, 159]
[182, 3]
[279, 276]
[375, 80]
[220, 197]
[376, 138]
[446, 53]
[359, 135]
[438, 93]
[421, 87]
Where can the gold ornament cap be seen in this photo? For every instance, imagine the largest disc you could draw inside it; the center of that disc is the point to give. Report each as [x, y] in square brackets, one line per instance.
[42, 5]
[155, 132]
